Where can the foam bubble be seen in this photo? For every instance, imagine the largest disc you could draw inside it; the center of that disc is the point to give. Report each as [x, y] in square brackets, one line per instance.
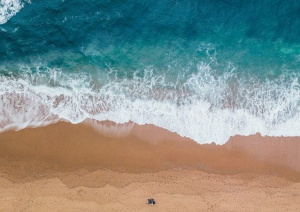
[9, 8]
[207, 107]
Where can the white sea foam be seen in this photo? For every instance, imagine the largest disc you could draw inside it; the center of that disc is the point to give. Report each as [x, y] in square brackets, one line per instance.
[207, 107]
[9, 8]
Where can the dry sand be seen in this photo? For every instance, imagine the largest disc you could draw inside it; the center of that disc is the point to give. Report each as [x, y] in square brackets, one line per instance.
[66, 167]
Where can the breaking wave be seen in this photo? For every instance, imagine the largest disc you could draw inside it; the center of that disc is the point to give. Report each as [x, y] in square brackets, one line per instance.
[206, 107]
[9, 8]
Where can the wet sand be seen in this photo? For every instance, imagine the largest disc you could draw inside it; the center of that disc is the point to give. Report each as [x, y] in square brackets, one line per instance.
[65, 167]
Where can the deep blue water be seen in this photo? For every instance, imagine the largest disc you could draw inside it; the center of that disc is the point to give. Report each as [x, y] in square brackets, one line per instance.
[257, 36]
[207, 55]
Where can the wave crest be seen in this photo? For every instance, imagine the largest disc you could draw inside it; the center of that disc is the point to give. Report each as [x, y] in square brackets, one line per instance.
[206, 107]
[9, 8]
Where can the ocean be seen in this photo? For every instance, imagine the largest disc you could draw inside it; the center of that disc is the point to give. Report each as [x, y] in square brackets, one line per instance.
[206, 69]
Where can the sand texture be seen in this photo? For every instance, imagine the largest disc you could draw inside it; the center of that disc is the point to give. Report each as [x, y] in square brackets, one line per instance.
[65, 167]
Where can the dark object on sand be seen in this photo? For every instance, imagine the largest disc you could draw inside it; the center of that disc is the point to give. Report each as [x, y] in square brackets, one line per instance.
[151, 202]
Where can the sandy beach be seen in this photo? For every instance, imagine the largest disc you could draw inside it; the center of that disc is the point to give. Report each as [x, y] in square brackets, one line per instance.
[105, 105]
[65, 167]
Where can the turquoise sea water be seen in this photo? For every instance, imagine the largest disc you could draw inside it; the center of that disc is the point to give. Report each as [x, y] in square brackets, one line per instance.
[206, 69]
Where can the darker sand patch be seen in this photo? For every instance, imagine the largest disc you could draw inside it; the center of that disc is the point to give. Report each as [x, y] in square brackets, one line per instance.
[65, 147]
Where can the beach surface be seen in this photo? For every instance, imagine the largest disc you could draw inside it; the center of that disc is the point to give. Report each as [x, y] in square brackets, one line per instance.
[109, 167]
